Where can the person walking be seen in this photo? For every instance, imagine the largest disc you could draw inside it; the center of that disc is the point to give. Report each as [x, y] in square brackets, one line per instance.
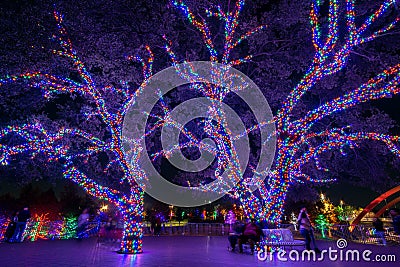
[23, 216]
[83, 220]
[153, 224]
[157, 230]
[395, 214]
[11, 227]
[379, 230]
[234, 236]
[306, 230]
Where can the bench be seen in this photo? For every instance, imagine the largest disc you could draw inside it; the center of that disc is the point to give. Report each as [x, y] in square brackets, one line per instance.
[281, 238]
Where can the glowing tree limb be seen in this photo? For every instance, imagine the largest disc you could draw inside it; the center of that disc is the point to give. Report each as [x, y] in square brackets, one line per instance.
[90, 186]
[201, 25]
[39, 140]
[327, 59]
[383, 85]
[231, 22]
[337, 140]
[214, 93]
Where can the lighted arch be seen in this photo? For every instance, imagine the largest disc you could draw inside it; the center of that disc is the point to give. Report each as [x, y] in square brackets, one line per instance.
[375, 202]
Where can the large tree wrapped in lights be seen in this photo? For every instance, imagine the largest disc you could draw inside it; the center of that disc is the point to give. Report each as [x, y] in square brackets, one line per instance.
[300, 141]
[305, 137]
[72, 147]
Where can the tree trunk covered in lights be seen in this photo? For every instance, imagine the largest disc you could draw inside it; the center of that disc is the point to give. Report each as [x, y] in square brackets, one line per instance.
[132, 215]
[131, 242]
[275, 204]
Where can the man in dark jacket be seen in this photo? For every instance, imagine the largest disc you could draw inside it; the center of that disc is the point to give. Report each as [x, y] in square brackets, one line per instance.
[395, 214]
[23, 216]
[379, 230]
[235, 235]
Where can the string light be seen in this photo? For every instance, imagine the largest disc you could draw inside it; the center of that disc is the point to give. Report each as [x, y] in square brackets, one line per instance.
[40, 227]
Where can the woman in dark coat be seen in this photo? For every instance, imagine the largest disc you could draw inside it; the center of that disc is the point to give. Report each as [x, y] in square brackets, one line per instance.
[11, 227]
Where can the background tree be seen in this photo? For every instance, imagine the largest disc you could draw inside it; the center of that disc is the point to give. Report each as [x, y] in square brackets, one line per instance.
[327, 209]
[322, 224]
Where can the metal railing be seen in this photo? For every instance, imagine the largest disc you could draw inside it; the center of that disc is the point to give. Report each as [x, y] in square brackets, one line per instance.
[56, 230]
[201, 229]
[362, 234]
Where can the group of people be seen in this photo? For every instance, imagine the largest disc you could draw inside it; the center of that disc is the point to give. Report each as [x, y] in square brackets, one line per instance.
[155, 225]
[243, 233]
[16, 227]
[251, 232]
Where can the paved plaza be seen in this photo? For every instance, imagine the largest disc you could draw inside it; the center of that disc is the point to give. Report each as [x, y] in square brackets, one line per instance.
[188, 251]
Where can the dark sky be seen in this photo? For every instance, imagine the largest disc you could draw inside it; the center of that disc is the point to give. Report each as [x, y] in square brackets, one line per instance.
[353, 195]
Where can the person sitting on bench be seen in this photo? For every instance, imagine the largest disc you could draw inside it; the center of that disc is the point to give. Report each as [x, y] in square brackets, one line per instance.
[252, 234]
[235, 235]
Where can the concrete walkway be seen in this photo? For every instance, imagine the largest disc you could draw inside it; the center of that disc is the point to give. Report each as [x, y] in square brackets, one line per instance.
[188, 251]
